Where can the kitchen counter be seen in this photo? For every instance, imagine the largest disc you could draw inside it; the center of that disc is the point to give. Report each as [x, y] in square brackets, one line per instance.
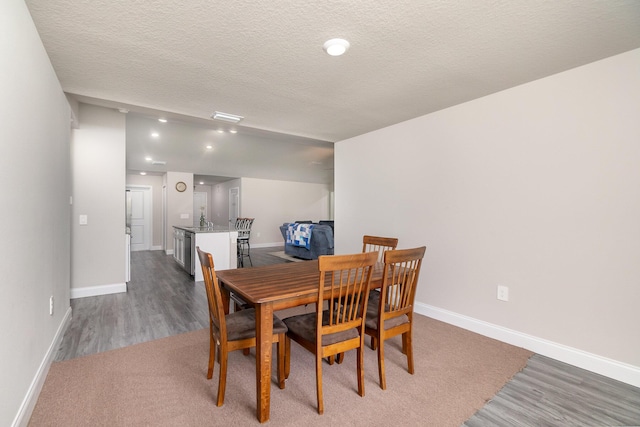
[219, 241]
[214, 229]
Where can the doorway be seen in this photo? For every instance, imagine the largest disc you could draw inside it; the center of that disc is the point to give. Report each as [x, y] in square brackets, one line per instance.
[234, 205]
[200, 207]
[140, 217]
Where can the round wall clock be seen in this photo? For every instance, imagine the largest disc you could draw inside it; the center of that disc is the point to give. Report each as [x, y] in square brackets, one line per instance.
[181, 186]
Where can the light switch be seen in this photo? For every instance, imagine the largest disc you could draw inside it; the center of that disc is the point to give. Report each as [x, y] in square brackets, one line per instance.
[83, 220]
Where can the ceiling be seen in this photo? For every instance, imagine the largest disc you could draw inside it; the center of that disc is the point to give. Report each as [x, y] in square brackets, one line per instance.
[264, 60]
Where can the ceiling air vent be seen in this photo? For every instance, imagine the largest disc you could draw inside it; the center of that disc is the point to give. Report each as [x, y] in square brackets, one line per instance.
[158, 162]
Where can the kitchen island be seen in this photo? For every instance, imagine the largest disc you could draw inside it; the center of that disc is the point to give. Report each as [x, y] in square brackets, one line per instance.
[221, 242]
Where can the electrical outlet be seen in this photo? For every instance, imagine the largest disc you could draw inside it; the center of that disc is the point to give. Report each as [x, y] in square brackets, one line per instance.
[51, 305]
[503, 293]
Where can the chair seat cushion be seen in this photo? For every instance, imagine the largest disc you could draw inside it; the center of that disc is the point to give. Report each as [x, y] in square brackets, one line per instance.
[242, 325]
[372, 314]
[304, 326]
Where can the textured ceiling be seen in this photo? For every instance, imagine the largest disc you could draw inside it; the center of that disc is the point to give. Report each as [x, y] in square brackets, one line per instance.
[264, 59]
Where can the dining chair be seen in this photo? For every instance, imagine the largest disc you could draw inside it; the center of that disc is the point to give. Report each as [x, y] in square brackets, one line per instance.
[390, 311]
[234, 331]
[243, 226]
[378, 244]
[344, 286]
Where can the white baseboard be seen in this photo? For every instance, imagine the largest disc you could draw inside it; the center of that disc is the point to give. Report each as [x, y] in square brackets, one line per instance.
[31, 398]
[92, 291]
[156, 248]
[168, 252]
[601, 365]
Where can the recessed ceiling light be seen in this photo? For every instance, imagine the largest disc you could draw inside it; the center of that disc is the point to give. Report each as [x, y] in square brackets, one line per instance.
[220, 131]
[201, 183]
[148, 159]
[143, 173]
[155, 134]
[233, 131]
[209, 147]
[123, 110]
[226, 117]
[336, 47]
[162, 120]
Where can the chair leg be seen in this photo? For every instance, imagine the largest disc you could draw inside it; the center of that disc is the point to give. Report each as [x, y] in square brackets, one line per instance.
[281, 357]
[222, 384]
[406, 337]
[340, 358]
[374, 343]
[212, 357]
[381, 374]
[331, 359]
[287, 356]
[249, 253]
[361, 369]
[319, 383]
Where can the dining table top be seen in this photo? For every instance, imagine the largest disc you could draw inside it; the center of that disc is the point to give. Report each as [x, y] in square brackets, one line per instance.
[285, 285]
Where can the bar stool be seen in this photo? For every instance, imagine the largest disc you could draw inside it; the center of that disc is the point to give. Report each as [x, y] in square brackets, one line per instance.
[243, 226]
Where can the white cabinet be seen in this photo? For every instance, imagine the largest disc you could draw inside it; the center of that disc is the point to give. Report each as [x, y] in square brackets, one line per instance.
[178, 246]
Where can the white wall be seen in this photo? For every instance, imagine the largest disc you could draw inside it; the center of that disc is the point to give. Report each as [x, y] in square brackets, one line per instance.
[98, 248]
[272, 203]
[534, 188]
[178, 203]
[34, 222]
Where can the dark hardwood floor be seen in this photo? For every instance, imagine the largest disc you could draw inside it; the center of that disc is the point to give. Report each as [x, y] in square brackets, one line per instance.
[163, 300]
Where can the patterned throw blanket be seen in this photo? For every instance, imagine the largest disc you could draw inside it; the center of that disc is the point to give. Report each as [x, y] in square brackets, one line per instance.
[299, 235]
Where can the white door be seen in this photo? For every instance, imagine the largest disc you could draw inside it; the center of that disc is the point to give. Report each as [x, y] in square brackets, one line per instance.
[234, 205]
[140, 218]
[199, 207]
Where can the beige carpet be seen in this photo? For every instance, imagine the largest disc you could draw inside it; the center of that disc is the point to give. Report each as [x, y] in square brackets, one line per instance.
[163, 383]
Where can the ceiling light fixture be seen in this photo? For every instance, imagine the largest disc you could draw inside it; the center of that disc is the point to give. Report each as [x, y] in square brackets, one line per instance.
[162, 120]
[143, 173]
[155, 134]
[233, 131]
[336, 47]
[225, 117]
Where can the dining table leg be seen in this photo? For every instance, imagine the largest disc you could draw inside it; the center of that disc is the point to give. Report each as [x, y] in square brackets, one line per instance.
[264, 336]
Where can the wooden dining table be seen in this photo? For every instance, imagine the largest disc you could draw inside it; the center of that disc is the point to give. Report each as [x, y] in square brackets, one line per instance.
[270, 288]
